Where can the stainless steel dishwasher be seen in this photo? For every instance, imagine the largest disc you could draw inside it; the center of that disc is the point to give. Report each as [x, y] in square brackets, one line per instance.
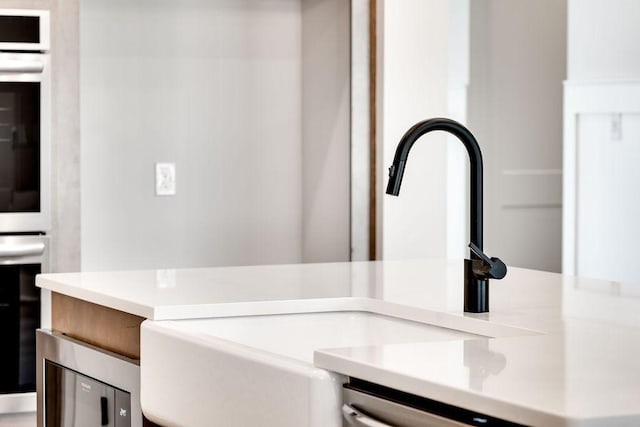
[372, 405]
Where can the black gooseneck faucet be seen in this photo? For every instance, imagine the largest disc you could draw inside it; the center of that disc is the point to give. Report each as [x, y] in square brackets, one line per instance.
[480, 268]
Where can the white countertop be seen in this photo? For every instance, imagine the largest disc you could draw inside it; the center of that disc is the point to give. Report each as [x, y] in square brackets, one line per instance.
[567, 352]
[207, 292]
[586, 376]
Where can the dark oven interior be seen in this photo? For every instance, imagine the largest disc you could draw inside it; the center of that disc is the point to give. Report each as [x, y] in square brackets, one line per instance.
[19, 318]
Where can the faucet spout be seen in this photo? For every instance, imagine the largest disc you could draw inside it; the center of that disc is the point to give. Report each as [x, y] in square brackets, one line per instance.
[396, 171]
[477, 269]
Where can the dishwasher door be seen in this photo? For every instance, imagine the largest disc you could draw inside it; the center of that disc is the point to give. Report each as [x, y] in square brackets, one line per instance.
[365, 410]
[372, 405]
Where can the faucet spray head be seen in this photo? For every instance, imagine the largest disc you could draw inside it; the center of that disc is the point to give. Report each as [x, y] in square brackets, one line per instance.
[395, 177]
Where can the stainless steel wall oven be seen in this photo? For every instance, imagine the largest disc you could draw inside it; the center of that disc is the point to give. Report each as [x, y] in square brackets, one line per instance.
[25, 117]
[25, 200]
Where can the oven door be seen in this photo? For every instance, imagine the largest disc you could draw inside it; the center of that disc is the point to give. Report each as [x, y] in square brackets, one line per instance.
[21, 313]
[25, 145]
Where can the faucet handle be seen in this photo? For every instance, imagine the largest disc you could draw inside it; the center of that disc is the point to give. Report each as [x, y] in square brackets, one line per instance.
[492, 268]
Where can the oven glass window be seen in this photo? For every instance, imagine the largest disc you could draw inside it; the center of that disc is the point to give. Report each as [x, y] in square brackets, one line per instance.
[19, 29]
[19, 319]
[19, 147]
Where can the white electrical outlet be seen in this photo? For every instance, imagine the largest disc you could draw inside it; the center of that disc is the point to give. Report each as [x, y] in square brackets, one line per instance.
[165, 179]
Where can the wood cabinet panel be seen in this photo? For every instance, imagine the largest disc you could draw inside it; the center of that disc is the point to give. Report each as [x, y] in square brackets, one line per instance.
[94, 324]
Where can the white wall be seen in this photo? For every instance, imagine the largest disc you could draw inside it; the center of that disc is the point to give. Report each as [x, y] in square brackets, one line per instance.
[457, 158]
[217, 88]
[603, 39]
[424, 73]
[606, 225]
[602, 132]
[412, 73]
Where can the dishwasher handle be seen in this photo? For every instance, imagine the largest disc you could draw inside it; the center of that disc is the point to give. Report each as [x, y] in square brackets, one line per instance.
[357, 418]
[15, 250]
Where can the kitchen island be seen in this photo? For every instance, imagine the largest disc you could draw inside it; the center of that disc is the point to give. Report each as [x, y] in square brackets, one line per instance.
[553, 350]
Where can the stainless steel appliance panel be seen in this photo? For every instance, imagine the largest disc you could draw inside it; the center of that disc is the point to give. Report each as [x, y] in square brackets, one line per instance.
[364, 410]
[73, 399]
[374, 405]
[80, 385]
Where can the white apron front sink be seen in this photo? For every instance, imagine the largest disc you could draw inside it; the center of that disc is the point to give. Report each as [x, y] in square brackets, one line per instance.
[258, 370]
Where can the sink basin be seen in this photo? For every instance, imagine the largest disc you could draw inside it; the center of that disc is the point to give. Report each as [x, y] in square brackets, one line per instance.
[258, 370]
[297, 336]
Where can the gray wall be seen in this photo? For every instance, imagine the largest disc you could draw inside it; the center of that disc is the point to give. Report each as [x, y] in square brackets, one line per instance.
[66, 137]
[518, 64]
[218, 87]
[326, 105]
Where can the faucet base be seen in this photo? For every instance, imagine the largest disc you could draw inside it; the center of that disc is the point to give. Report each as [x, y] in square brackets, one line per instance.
[476, 291]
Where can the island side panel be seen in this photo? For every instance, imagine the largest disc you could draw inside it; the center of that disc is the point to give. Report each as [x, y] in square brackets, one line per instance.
[97, 325]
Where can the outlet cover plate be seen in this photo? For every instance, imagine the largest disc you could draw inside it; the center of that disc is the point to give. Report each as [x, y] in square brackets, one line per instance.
[165, 179]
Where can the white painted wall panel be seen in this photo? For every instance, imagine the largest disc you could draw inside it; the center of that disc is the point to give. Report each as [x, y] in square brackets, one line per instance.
[600, 186]
[608, 206]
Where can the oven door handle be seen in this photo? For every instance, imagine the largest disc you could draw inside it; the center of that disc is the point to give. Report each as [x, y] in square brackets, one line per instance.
[14, 250]
[20, 66]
